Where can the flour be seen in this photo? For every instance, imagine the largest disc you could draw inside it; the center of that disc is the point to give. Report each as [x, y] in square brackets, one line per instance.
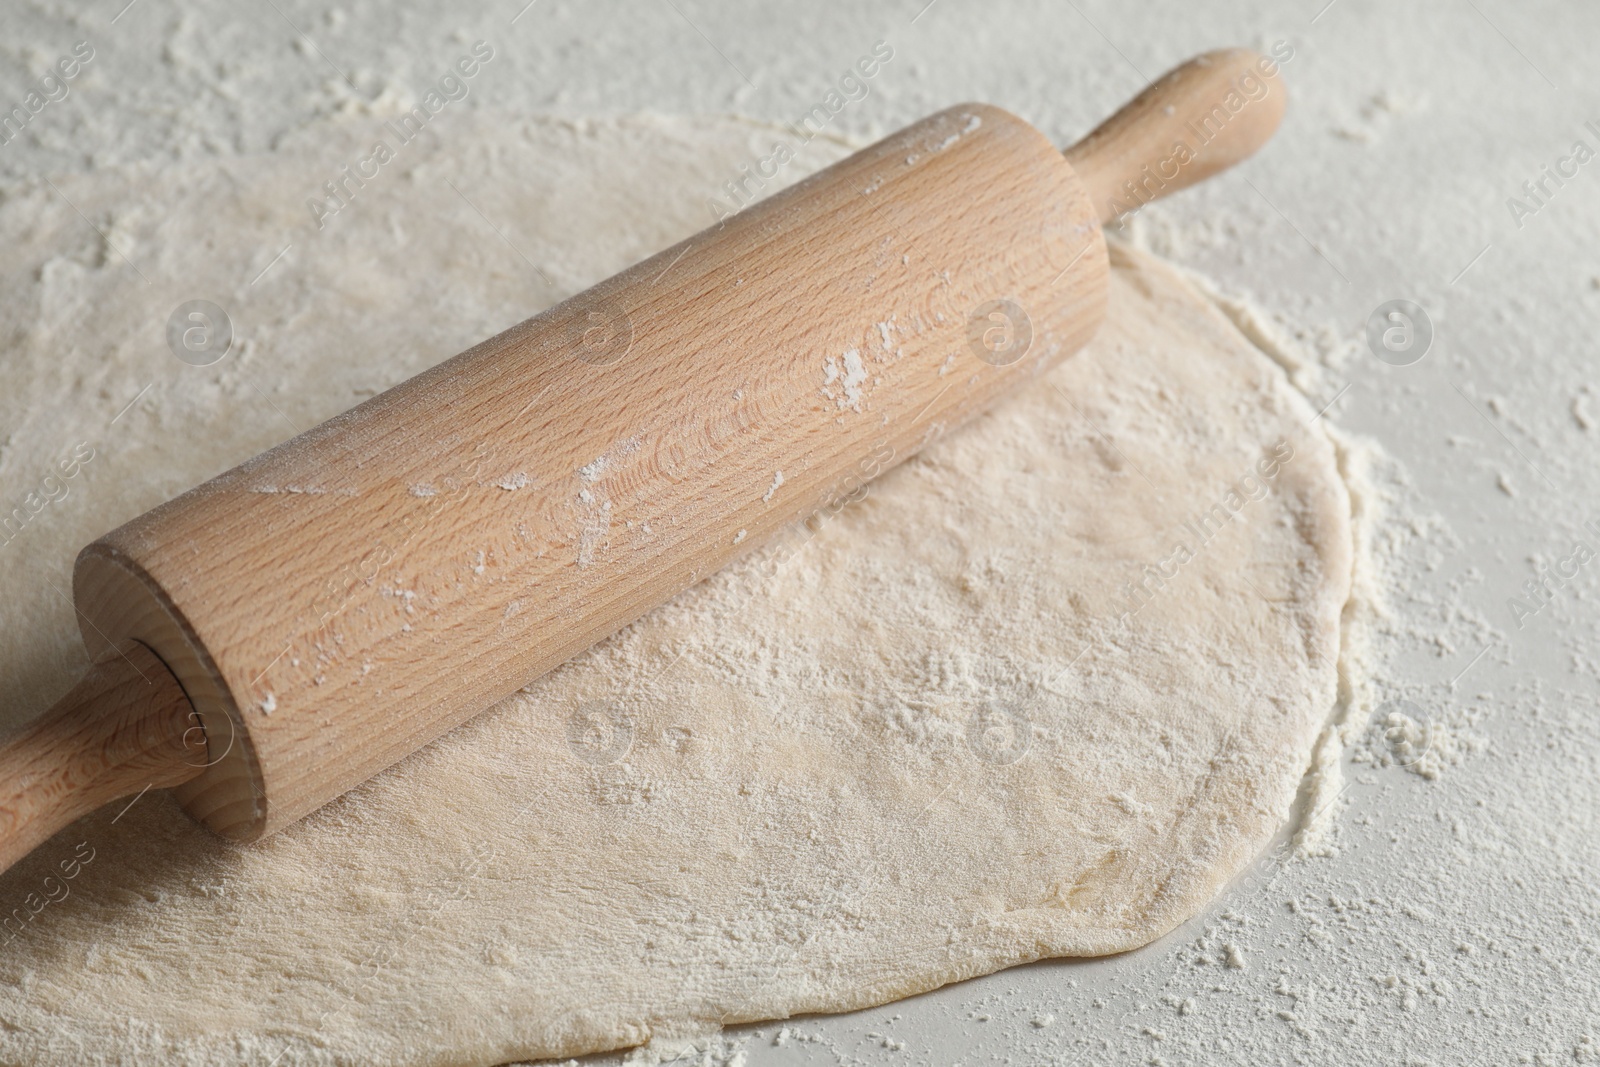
[886, 333]
[854, 374]
[777, 482]
[842, 378]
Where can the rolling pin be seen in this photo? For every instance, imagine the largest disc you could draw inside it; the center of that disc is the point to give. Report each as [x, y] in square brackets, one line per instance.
[279, 634]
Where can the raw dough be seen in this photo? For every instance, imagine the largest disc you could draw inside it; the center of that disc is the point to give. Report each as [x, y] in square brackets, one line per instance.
[921, 739]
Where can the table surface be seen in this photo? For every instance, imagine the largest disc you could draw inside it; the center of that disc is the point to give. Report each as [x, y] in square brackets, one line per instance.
[1454, 918]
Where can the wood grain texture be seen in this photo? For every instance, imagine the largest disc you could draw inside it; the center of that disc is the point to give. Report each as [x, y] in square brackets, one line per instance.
[1197, 119]
[456, 537]
[124, 728]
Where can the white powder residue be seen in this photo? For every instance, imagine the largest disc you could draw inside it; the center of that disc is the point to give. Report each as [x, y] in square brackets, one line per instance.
[1424, 741]
[594, 524]
[777, 480]
[886, 333]
[973, 122]
[855, 373]
[593, 503]
[610, 460]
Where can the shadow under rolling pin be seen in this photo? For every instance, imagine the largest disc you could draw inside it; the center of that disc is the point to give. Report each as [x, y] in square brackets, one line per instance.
[543, 489]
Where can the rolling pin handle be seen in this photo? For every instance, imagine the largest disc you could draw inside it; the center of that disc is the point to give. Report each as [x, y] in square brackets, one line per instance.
[127, 726]
[1199, 118]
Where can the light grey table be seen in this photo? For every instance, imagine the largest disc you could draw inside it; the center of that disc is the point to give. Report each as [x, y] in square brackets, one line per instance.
[1457, 923]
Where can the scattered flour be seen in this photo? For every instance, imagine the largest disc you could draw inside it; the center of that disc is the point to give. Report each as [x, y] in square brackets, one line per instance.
[847, 373]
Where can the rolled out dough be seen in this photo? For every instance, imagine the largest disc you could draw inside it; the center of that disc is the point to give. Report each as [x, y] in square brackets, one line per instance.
[1040, 691]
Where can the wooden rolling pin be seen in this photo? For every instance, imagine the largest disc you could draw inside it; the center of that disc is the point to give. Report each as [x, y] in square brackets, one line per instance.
[271, 638]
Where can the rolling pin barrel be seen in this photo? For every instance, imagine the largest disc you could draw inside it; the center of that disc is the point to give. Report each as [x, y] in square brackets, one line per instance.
[339, 601]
